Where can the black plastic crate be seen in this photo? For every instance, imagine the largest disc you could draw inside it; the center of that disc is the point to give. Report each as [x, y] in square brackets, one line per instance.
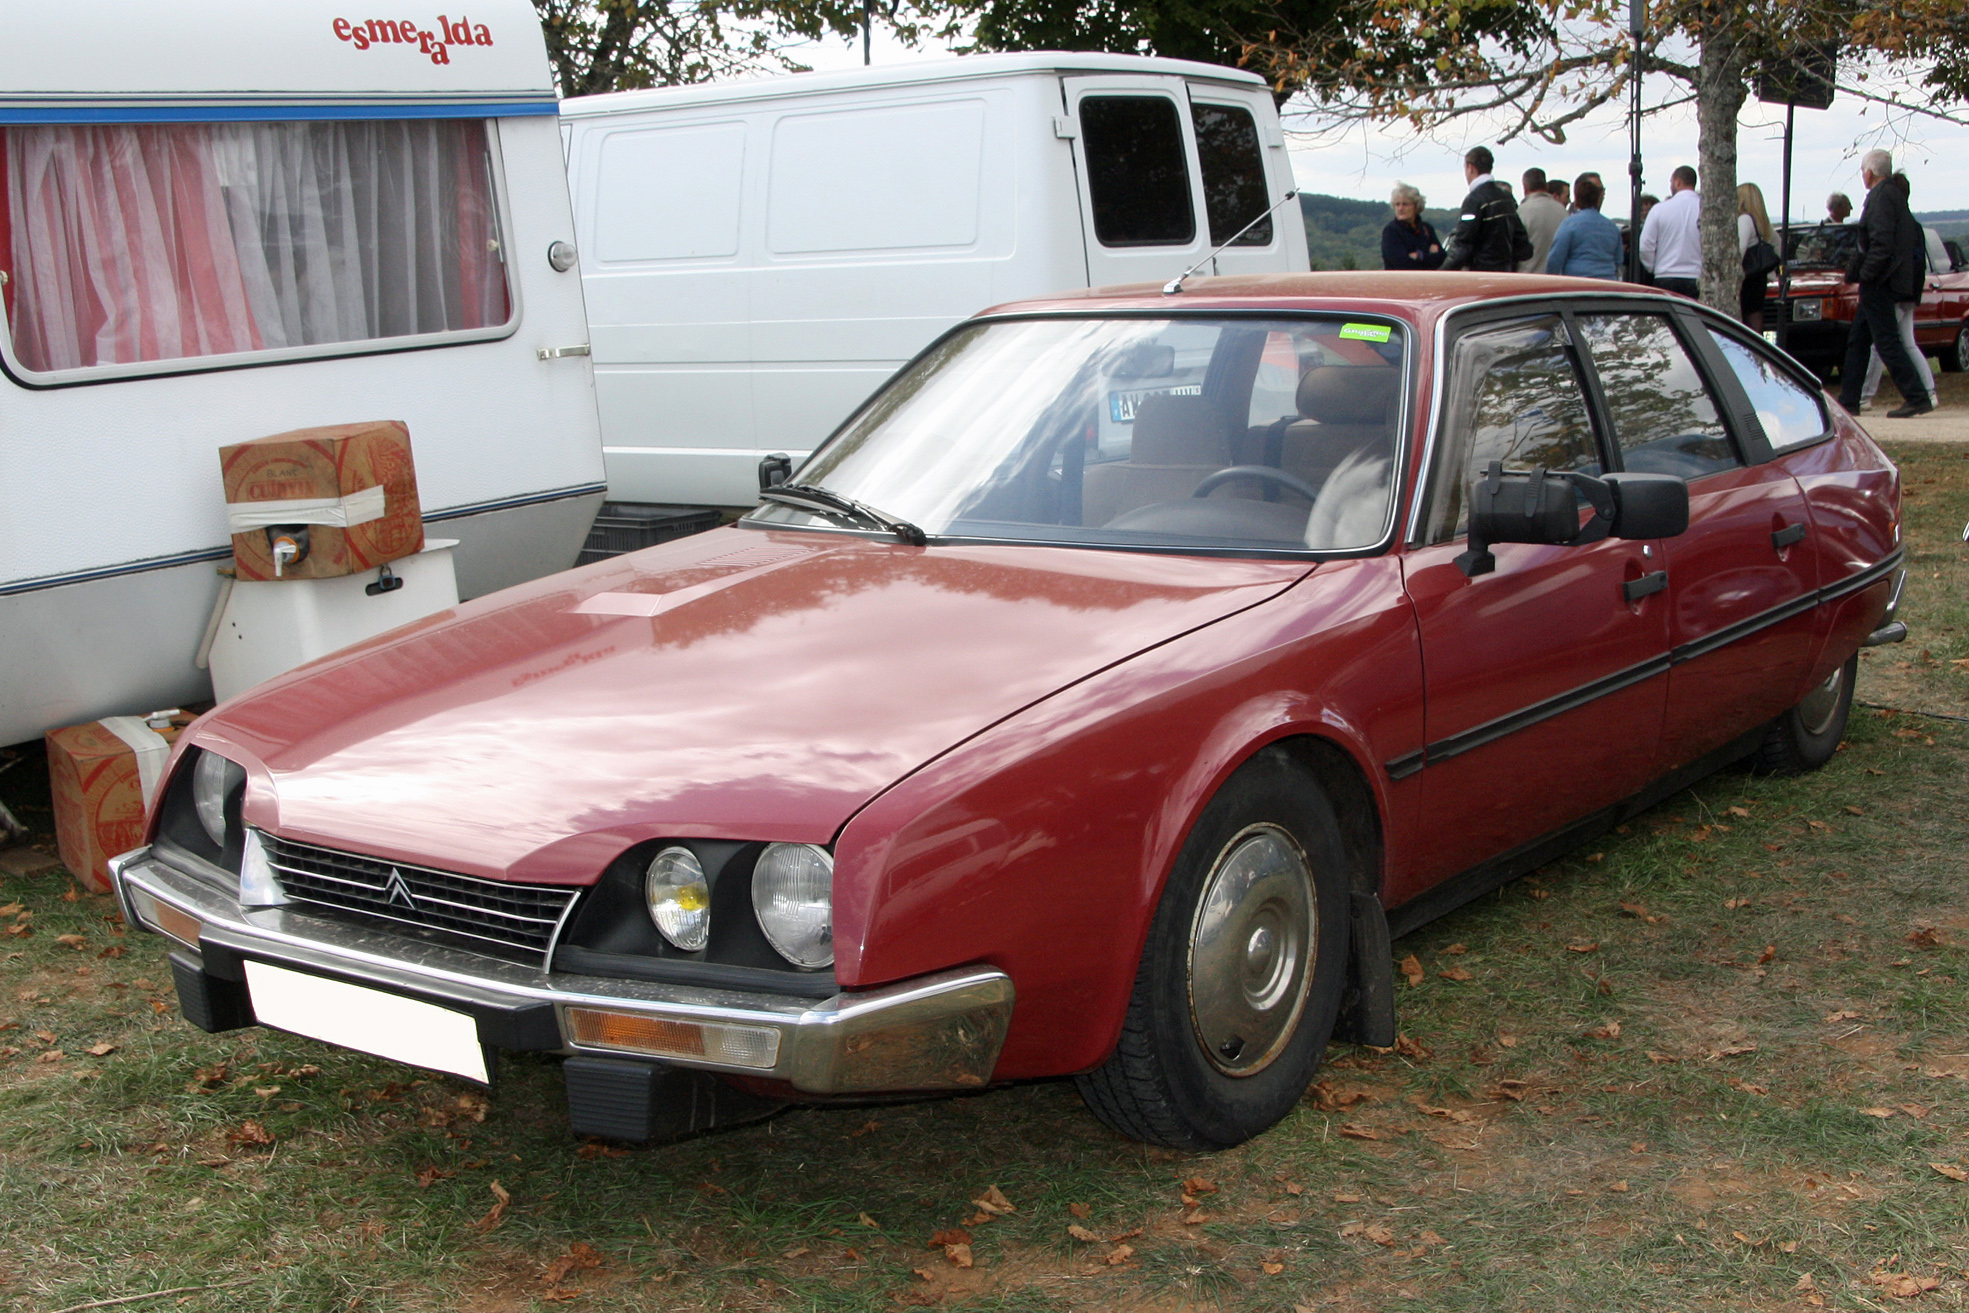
[631, 526]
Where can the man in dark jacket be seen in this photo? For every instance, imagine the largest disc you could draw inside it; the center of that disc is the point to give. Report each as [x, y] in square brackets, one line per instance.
[1890, 264]
[1490, 236]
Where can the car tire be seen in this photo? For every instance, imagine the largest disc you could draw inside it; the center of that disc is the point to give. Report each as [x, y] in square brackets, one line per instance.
[1957, 351]
[1805, 737]
[1243, 971]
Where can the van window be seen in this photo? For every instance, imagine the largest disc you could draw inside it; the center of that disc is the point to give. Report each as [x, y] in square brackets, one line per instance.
[134, 243]
[1138, 177]
[669, 193]
[836, 184]
[1234, 191]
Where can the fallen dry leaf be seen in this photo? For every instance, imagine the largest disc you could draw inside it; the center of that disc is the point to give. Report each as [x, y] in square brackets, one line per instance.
[1454, 973]
[1927, 937]
[1355, 1131]
[76, 942]
[1882, 1113]
[1080, 1210]
[1951, 1171]
[1411, 1048]
[993, 1201]
[1412, 969]
[1844, 1014]
[1081, 1233]
[429, 1176]
[1733, 1050]
[1770, 952]
[1605, 1030]
[1583, 948]
[500, 1198]
[950, 1235]
[1737, 811]
[1903, 1287]
[579, 1256]
[1514, 1090]
[867, 1221]
[1195, 1217]
[1346, 1198]
[1618, 1187]
[958, 1255]
[250, 1133]
[1271, 1269]
[1118, 1255]
[1197, 1185]
[102, 1050]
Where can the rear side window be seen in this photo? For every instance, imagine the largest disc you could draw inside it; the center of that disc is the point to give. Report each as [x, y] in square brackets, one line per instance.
[1789, 414]
[137, 243]
[1515, 397]
[1234, 191]
[1664, 420]
[1138, 176]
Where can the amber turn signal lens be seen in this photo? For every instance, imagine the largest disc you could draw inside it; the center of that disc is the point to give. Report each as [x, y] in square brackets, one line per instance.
[166, 919]
[664, 1037]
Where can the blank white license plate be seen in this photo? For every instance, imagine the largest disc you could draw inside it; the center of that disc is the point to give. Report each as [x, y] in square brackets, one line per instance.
[368, 1020]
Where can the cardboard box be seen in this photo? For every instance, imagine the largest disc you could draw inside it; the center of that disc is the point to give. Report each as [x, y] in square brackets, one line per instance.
[103, 775]
[353, 485]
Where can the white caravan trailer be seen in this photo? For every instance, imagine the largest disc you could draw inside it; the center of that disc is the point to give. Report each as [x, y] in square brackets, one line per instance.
[223, 219]
[760, 255]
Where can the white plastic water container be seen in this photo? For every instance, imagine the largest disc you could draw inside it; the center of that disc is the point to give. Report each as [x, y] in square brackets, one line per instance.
[268, 628]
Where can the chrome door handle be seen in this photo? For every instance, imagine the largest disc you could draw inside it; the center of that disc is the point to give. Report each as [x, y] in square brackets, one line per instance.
[561, 352]
[1785, 537]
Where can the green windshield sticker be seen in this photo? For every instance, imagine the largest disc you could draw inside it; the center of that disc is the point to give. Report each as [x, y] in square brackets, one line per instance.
[1365, 332]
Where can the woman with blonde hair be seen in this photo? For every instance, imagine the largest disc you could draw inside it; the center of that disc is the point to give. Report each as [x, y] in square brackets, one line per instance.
[1409, 241]
[1753, 226]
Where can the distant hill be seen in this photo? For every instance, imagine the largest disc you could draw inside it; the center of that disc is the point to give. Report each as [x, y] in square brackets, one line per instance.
[1342, 233]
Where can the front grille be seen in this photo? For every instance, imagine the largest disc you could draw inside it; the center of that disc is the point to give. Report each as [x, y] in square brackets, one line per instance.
[515, 921]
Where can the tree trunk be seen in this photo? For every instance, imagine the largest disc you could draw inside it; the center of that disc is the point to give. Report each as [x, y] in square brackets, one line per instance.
[1719, 96]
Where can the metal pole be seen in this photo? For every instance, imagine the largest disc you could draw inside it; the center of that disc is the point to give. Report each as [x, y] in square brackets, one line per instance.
[867, 29]
[1636, 16]
[1784, 238]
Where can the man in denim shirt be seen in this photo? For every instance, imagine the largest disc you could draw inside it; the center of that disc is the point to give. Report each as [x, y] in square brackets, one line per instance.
[1587, 244]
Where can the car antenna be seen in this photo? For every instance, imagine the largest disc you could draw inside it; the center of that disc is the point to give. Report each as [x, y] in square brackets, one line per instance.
[1175, 285]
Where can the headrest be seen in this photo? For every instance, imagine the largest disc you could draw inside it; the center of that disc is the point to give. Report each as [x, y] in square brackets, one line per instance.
[1178, 430]
[1348, 394]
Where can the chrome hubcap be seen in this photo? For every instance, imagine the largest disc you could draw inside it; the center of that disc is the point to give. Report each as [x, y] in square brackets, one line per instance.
[1251, 950]
[1816, 710]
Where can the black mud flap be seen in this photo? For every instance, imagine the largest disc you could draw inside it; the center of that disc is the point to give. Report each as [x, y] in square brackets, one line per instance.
[210, 1002]
[1367, 1009]
[648, 1103]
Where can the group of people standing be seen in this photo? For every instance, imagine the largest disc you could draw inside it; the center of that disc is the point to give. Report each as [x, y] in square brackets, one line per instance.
[1558, 229]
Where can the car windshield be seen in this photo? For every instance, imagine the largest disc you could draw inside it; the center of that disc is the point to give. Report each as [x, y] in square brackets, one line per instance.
[1828, 245]
[1155, 434]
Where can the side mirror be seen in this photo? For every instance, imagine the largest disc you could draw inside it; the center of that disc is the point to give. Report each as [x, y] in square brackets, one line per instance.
[1539, 507]
[774, 470]
[1648, 505]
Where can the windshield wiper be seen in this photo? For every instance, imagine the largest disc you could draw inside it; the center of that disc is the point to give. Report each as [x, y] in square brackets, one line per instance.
[825, 501]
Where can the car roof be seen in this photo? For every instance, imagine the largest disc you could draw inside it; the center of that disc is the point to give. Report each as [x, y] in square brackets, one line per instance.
[1410, 295]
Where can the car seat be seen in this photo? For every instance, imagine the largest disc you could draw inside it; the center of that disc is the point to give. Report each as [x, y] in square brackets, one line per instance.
[1177, 441]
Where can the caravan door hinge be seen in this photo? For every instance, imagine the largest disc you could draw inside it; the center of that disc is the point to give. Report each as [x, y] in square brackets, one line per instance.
[1065, 128]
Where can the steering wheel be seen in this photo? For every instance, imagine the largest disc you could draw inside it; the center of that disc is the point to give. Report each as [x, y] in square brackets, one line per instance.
[1269, 473]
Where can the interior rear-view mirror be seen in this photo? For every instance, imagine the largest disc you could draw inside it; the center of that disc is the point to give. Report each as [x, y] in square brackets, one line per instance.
[1144, 360]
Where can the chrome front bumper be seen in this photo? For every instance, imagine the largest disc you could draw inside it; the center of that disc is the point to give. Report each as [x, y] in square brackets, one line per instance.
[934, 1032]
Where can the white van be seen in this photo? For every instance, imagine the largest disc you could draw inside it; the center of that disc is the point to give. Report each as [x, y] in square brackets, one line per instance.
[760, 255]
[223, 219]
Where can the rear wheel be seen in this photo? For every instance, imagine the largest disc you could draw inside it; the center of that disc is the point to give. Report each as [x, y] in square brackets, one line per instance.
[1956, 352]
[1805, 737]
[1243, 970]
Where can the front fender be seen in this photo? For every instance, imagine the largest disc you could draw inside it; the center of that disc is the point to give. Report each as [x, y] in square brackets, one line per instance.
[1042, 845]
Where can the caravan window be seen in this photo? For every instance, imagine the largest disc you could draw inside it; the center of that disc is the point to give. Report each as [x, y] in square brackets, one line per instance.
[1138, 178]
[1234, 191]
[133, 244]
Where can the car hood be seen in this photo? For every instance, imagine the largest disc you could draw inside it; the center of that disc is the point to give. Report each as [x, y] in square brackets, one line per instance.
[740, 684]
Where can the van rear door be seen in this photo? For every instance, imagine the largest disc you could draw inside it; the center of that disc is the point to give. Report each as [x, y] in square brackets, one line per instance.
[1245, 171]
[1141, 205]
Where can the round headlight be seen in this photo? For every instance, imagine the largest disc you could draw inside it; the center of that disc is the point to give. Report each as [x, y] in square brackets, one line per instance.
[679, 899]
[213, 779]
[793, 893]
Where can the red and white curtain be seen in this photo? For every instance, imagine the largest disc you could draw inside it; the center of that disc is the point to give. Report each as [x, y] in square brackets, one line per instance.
[139, 242]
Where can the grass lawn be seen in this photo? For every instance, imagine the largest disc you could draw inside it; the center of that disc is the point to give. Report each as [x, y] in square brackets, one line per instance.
[1720, 1061]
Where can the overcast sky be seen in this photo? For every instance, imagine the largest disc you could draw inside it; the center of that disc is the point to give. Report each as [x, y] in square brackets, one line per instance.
[1366, 163]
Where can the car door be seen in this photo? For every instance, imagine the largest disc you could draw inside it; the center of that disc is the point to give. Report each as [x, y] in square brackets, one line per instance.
[1545, 678]
[1741, 584]
[1141, 208]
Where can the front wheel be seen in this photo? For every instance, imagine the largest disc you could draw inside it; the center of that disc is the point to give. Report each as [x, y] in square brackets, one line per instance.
[1805, 737]
[1243, 971]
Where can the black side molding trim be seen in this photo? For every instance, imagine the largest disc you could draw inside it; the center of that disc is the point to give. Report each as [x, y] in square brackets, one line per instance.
[1526, 717]
[1852, 583]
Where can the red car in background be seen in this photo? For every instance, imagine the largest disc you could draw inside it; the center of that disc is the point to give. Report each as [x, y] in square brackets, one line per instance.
[1821, 304]
[1099, 700]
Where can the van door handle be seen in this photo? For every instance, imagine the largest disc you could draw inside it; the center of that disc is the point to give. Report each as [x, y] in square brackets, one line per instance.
[1785, 537]
[562, 352]
[1636, 589]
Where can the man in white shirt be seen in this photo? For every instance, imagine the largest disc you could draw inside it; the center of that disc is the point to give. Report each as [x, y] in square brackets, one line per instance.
[1671, 240]
[1541, 214]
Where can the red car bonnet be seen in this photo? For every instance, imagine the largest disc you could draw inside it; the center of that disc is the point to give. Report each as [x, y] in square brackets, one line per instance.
[739, 684]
